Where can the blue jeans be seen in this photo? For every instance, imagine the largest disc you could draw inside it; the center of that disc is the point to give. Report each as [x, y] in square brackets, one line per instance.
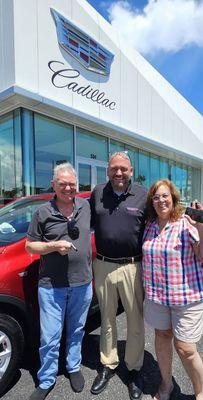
[57, 306]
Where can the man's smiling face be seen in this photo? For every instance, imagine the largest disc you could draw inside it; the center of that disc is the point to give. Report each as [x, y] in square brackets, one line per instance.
[119, 172]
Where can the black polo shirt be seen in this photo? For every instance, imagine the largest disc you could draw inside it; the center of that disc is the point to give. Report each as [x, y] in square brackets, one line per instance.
[49, 224]
[118, 220]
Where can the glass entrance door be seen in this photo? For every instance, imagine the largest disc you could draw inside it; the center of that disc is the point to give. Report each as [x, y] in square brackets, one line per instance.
[90, 173]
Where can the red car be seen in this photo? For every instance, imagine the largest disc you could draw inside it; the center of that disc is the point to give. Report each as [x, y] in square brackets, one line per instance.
[4, 201]
[18, 284]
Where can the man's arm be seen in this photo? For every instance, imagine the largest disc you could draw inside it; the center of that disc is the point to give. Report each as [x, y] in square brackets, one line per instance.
[199, 227]
[196, 204]
[198, 247]
[35, 244]
[43, 248]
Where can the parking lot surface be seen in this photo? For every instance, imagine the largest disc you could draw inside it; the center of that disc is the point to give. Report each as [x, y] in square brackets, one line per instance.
[24, 383]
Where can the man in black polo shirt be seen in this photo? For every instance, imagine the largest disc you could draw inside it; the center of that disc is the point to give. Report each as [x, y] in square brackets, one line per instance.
[60, 233]
[118, 218]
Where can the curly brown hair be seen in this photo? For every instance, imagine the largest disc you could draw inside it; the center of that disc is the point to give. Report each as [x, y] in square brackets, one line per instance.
[178, 208]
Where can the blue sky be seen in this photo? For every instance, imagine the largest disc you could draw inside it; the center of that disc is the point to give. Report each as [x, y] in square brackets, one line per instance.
[168, 33]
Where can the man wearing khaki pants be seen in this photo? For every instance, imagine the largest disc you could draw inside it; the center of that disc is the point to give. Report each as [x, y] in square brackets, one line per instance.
[118, 218]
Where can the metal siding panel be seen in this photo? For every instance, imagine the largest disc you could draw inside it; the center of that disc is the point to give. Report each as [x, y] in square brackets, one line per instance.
[7, 59]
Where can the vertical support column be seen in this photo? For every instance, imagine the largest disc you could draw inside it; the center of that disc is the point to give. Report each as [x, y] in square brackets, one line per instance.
[74, 146]
[109, 148]
[28, 152]
[17, 152]
[75, 154]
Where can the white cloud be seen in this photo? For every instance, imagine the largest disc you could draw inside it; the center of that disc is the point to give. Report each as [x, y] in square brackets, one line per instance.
[162, 25]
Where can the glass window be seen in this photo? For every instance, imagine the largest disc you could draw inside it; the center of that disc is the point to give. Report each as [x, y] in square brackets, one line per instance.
[28, 152]
[116, 146]
[154, 169]
[90, 145]
[136, 165]
[53, 145]
[143, 168]
[18, 153]
[10, 155]
[133, 154]
[15, 219]
[189, 183]
[84, 177]
[184, 195]
[187, 180]
[101, 174]
[196, 184]
[164, 168]
[176, 176]
[173, 172]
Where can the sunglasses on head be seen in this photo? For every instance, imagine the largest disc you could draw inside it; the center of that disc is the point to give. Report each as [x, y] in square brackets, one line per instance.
[73, 230]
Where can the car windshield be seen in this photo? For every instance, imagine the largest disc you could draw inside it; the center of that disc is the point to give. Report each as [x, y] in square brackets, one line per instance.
[15, 219]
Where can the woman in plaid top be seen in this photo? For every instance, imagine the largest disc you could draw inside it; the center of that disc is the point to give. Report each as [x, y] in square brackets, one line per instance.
[173, 282]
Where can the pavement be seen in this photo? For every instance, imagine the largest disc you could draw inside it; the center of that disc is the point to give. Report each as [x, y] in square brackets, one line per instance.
[24, 382]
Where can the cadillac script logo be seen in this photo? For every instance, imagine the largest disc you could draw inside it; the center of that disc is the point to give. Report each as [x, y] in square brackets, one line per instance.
[86, 50]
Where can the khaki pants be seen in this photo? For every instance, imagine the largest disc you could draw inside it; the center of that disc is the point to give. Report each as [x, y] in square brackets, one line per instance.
[111, 282]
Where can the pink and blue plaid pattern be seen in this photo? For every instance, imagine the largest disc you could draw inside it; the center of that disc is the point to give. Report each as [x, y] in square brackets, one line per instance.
[172, 274]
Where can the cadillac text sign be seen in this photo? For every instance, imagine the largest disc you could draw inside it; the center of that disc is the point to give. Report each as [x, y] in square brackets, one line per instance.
[68, 78]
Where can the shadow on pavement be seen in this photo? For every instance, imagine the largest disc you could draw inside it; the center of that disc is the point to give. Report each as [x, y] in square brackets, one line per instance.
[90, 351]
[150, 371]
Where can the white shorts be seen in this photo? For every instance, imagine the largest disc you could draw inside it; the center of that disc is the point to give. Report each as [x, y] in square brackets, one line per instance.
[186, 322]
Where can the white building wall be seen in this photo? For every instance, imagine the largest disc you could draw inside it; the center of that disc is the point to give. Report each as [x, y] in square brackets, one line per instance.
[7, 59]
[147, 106]
[26, 44]
[129, 93]
[89, 24]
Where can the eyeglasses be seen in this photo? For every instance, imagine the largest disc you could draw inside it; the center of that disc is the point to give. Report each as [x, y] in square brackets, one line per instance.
[73, 230]
[163, 196]
[63, 185]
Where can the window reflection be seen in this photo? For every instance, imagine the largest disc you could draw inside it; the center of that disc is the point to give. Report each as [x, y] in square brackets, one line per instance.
[91, 145]
[84, 177]
[10, 156]
[180, 175]
[143, 166]
[164, 168]
[195, 183]
[101, 174]
[116, 146]
[53, 145]
[15, 219]
[154, 169]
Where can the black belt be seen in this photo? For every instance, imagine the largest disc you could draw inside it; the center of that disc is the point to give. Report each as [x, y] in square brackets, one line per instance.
[126, 260]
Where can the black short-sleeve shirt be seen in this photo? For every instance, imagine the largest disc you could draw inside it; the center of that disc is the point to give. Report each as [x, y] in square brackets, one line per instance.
[49, 224]
[118, 220]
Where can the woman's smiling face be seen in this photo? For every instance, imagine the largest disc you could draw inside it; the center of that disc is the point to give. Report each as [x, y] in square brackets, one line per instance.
[162, 202]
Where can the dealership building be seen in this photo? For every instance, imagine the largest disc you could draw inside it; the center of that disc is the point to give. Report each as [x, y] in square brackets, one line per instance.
[71, 89]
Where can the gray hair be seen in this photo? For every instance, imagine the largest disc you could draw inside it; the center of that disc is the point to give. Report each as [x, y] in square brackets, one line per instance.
[122, 154]
[64, 167]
